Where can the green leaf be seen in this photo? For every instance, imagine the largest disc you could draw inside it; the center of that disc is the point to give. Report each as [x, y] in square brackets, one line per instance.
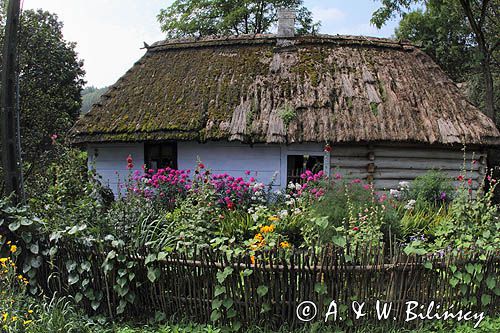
[26, 222]
[78, 297]
[231, 313]
[219, 290]
[215, 315]
[339, 240]
[85, 266]
[469, 268]
[73, 230]
[262, 290]
[153, 274]
[228, 303]
[73, 278]
[428, 265]
[162, 255]
[453, 268]
[150, 258]
[216, 304]
[491, 282]
[320, 288]
[95, 305]
[265, 308]
[453, 282]
[14, 225]
[247, 272]
[70, 265]
[485, 299]
[236, 326]
[36, 262]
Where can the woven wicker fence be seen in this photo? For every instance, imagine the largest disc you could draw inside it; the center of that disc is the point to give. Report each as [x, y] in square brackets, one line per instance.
[270, 290]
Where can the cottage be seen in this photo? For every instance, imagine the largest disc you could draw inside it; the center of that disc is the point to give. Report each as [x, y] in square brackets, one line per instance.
[271, 103]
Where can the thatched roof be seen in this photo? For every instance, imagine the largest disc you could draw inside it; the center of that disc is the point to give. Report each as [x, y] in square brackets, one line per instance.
[304, 89]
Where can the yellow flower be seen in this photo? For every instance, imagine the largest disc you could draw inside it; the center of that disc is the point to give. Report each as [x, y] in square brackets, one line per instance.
[265, 229]
[285, 245]
[3, 260]
[259, 237]
[14, 318]
[4, 316]
[27, 322]
[273, 218]
[13, 248]
[30, 311]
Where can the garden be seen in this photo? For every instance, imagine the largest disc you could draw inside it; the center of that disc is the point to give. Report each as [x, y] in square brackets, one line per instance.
[231, 253]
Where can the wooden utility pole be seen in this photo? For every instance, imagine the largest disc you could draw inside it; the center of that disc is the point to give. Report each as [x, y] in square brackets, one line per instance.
[11, 147]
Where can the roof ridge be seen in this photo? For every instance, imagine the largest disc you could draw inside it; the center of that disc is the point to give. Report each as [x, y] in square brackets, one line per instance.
[266, 38]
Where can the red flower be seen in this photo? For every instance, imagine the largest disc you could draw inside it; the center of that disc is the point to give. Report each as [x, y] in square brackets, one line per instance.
[327, 148]
[201, 165]
[230, 205]
[355, 228]
[460, 178]
[129, 159]
[469, 181]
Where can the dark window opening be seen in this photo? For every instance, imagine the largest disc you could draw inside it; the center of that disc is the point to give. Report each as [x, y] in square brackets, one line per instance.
[161, 155]
[298, 164]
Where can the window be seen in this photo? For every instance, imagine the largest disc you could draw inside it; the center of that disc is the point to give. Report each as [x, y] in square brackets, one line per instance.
[161, 155]
[298, 164]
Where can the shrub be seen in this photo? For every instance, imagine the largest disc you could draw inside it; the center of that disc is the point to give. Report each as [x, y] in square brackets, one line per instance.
[433, 187]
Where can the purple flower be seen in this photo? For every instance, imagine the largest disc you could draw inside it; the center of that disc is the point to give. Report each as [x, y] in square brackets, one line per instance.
[443, 196]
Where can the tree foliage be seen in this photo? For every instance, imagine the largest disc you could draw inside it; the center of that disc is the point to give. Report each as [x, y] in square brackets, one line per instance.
[196, 18]
[50, 83]
[91, 95]
[461, 35]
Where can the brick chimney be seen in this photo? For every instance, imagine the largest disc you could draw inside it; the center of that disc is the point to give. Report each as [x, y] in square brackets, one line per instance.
[286, 22]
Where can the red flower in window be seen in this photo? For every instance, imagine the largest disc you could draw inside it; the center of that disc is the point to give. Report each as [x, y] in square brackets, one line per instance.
[327, 148]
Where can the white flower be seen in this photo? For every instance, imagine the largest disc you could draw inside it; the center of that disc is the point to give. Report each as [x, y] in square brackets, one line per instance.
[283, 213]
[291, 186]
[288, 196]
[410, 204]
[297, 211]
[395, 193]
[404, 185]
[253, 198]
[298, 187]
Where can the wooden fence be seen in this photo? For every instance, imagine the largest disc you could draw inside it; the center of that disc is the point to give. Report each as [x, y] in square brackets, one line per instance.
[270, 290]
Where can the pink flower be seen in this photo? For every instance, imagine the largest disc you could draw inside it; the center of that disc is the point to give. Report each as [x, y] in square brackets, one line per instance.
[356, 181]
[247, 172]
[201, 165]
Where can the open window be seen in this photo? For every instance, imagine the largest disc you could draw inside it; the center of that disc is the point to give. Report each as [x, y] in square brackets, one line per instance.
[160, 155]
[298, 164]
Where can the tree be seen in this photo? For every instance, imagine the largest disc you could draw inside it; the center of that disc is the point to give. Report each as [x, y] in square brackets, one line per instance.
[455, 26]
[197, 18]
[91, 95]
[50, 82]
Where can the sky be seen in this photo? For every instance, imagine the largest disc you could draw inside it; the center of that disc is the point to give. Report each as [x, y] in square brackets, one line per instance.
[110, 33]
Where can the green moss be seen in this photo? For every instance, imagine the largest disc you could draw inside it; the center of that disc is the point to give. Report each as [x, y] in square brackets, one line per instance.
[287, 114]
[382, 91]
[350, 105]
[308, 60]
[374, 108]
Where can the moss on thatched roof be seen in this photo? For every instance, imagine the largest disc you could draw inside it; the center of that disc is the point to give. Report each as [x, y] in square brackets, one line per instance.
[304, 89]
